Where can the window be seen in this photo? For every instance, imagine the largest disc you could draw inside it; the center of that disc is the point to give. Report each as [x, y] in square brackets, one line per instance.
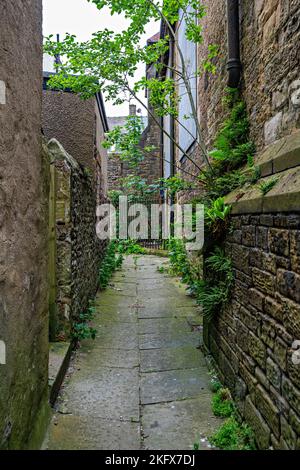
[189, 50]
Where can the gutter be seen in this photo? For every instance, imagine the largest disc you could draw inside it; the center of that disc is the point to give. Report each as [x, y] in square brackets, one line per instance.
[234, 65]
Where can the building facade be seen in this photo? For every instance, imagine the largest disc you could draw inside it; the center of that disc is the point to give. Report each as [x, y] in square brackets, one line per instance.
[24, 191]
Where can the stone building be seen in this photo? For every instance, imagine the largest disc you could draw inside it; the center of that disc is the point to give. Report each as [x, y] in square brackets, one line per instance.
[24, 190]
[269, 55]
[254, 340]
[79, 125]
[151, 168]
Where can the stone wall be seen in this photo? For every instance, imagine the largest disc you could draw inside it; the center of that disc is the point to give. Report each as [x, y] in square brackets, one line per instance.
[24, 179]
[78, 249]
[270, 35]
[254, 339]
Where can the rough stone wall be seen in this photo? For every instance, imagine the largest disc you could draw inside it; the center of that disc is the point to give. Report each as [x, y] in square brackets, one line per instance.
[78, 249]
[24, 176]
[270, 35]
[71, 120]
[251, 340]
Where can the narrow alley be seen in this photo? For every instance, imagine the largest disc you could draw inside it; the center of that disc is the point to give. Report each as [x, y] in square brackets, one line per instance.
[143, 383]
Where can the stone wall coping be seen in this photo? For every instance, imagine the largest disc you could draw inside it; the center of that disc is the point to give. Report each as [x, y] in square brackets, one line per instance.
[283, 197]
[280, 160]
[280, 156]
[58, 153]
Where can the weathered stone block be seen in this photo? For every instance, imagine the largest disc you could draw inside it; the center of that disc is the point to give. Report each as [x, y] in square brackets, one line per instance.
[291, 394]
[273, 308]
[280, 353]
[262, 378]
[256, 299]
[262, 234]
[295, 250]
[293, 369]
[257, 350]
[279, 242]
[272, 127]
[248, 378]
[273, 373]
[263, 281]
[242, 337]
[240, 258]
[235, 236]
[249, 235]
[241, 293]
[255, 258]
[267, 220]
[294, 420]
[289, 284]
[268, 410]
[268, 331]
[249, 318]
[279, 401]
[288, 434]
[259, 426]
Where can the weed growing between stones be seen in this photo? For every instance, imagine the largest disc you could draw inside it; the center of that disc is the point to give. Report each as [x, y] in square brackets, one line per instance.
[110, 263]
[83, 329]
[130, 247]
[266, 186]
[234, 436]
[222, 404]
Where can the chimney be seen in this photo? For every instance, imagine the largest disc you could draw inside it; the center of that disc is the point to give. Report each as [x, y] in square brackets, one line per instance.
[132, 110]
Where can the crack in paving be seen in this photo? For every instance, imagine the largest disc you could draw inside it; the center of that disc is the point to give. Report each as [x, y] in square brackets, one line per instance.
[143, 383]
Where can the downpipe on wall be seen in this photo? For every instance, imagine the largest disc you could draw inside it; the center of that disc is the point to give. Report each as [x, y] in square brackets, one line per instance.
[234, 65]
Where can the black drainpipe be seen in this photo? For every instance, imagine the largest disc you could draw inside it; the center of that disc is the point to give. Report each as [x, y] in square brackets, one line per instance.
[234, 65]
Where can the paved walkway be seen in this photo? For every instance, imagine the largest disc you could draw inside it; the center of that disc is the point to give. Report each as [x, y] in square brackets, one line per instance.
[143, 383]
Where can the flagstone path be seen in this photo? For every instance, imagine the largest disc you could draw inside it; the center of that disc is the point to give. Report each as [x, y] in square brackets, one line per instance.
[143, 383]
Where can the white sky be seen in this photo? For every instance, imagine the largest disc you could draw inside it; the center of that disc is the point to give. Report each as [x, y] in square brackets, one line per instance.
[82, 18]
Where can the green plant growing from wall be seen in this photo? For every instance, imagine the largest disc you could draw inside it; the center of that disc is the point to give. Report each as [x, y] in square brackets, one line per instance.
[109, 264]
[214, 291]
[266, 186]
[82, 329]
[234, 436]
[222, 404]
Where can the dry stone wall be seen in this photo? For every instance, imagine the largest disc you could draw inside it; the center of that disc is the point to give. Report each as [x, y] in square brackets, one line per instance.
[79, 251]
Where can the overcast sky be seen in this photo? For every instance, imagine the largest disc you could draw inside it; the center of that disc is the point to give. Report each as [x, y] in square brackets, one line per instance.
[82, 18]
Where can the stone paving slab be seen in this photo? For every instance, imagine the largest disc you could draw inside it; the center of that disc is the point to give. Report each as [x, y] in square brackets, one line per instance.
[169, 340]
[161, 308]
[104, 392]
[155, 360]
[72, 432]
[173, 385]
[109, 314]
[176, 425]
[161, 325]
[99, 357]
